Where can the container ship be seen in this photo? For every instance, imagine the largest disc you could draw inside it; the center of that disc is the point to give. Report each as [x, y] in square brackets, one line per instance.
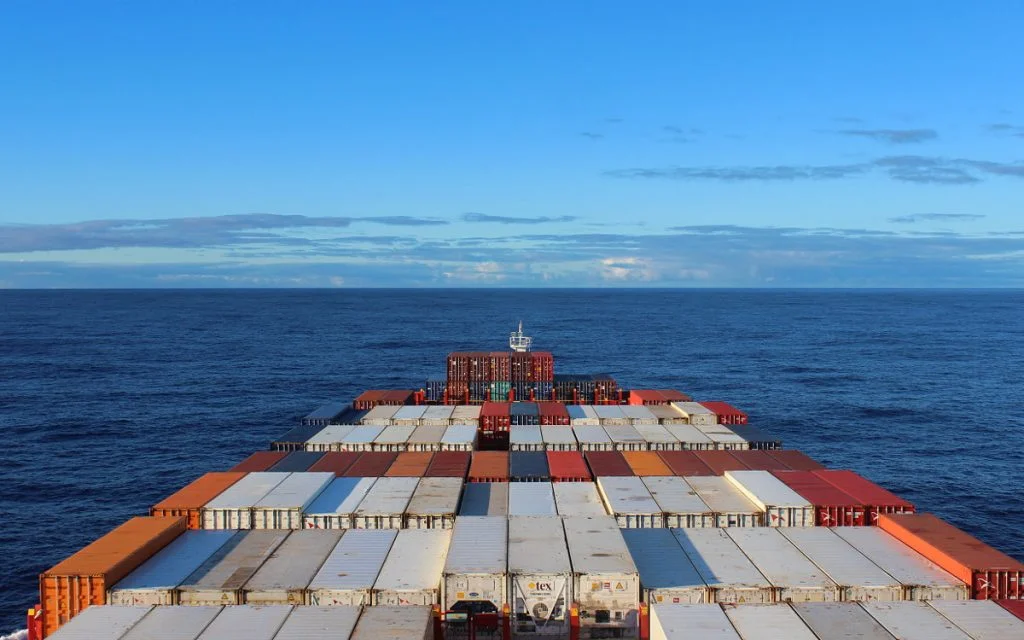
[505, 500]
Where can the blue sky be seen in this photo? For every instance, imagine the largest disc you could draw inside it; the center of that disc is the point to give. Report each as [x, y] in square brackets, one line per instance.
[749, 144]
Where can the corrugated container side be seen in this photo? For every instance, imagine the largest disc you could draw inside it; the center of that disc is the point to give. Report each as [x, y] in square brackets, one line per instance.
[553, 413]
[832, 507]
[690, 437]
[757, 438]
[606, 582]
[426, 438]
[347, 575]
[360, 438]
[876, 499]
[393, 438]
[371, 464]
[730, 575]
[726, 413]
[330, 438]
[593, 438]
[558, 438]
[188, 501]
[796, 460]
[783, 507]
[295, 439]
[540, 575]
[658, 437]
[283, 578]
[259, 461]
[568, 466]
[666, 572]
[489, 466]
[476, 569]
[627, 498]
[495, 416]
[607, 463]
[411, 575]
[858, 578]
[337, 462]
[680, 504]
[282, 507]
[685, 463]
[697, 413]
[796, 578]
[646, 463]
[625, 437]
[834, 619]
[434, 503]
[730, 506]
[410, 463]
[385, 504]
[334, 507]
[449, 463]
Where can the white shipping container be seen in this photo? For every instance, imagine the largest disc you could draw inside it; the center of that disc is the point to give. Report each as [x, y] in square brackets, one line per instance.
[540, 575]
[395, 623]
[247, 622]
[172, 623]
[593, 438]
[155, 581]
[385, 503]
[638, 414]
[426, 438]
[393, 438]
[731, 508]
[558, 438]
[100, 622]
[350, 570]
[658, 438]
[334, 507]
[627, 498]
[409, 415]
[782, 506]
[730, 575]
[380, 415]
[484, 499]
[690, 621]
[582, 415]
[434, 503]
[981, 619]
[329, 438]
[625, 437]
[837, 620]
[466, 414]
[723, 438]
[440, 415]
[283, 578]
[666, 572]
[531, 499]
[526, 438]
[678, 501]
[610, 414]
[690, 437]
[411, 575]
[283, 507]
[360, 438]
[605, 580]
[319, 623]
[578, 499]
[913, 621]
[219, 580]
[459, 437]
[858, 578]
[768, 622]
[232, 509]
[476, 569]
[795, 577]
[667, 414]
[696, 413]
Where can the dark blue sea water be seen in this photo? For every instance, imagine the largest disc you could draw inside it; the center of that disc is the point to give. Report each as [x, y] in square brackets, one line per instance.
[110, 400]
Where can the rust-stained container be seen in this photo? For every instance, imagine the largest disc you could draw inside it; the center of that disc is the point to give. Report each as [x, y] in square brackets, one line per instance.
[646, 463]
[495, 416]
[568, 466]
[410, 463]
[993, 575]
[552, 413]
[372, 464]
[727, 414]
[260, 461]
[796, 460]
[607, 463]
[83, 578]
[759, 460]
[449, 464]
[875, 499]
[832, 506]
[721, 461]
[189, 500]
[336, 462]
[488, 466]
[1016, 607]
[685, 463]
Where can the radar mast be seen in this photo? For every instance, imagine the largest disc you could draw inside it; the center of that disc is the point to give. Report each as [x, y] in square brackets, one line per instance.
[518, 342]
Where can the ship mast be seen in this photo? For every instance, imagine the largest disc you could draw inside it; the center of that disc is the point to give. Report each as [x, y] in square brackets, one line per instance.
[518, 342]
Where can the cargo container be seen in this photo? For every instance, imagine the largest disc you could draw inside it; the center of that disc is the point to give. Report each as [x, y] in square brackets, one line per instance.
[568, 466]
[696, 414]
[993, 575]
[690, 437]
[528, 466]
[283, 506]
[232, 509]
[526, 438]
[610, 414]
[100, 623]
[371, 464]
[325, 413]
[646, 463]
[837, 620]
[875, 499]
[607, 463]
[685, 463]
[680, 505]
[558, 438]
[540, 575]
[768, 622]
[361, 437]
[156, 580]
[759, 460]
[627, 498]
[488, 466]
[666, 572]
[295, 439]
[459, 437]
[921, 579]
[979, 619]
[725, 412]
[721, 461]
[832, 507]
[334, 507]
[351, 568]
[1016, 607]
[730, 575]
[170, 623]
[605, 580]
[411, 464]
[524, 413]
[283, 578]
[578, 499]
[593, 438]
[393, 438]
[297, 461]
[409, 415]
[259, 461]
[434, 503]
[531, 499]
[756, 438]
[385, 503]
[658, 438]
[188, 502]
[247, 622]
[782, 506]
[626, 437]
[858, 578]
[466, 415]
[495, 416]
[336, 462]
[685, 621]
[380, 416]
[637, 414]
[411, 575]
[449, 464]
[426, 438]
[440, 415]
[667, 414]
[397, 623]
[730, 506]
[553, 413]
[796, 460]
[319, 623]
[220, 578]
[475, 576]
[374, 397]
[723, 437]
[795, 578]
[913, 621]
[330, 438]
[484, 499]
[582, 415]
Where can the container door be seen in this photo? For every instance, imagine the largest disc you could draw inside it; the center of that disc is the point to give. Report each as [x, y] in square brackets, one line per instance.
[539, 603]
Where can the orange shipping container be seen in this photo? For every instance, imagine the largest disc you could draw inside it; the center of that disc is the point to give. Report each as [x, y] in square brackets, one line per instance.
[991, 574]
[646, 463]
[410, 464]
[188, 500]
[260, 461]
[83, 579]
[489, 466]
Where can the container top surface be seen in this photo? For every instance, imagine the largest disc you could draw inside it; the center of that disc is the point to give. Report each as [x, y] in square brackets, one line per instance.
[388, 496]
[296, 491]
[623, 433]
[327, 411]
[528, 464]
[578, 499]
[665, 412]
[531, 499]
[895, 558]
[557, 434]
[460, 434]
[981, 619]
[590, 433]
[248, 491]
[693, 408]
[717, 558]
[363, 433]
[778, 559]
[172, 564]
[768, 622]
[428, 433]
[720, 495]
[484, 499]
[173, 623]
[319, 623]
[655, 433]
[524, 409]
[395, 434]
[100, 623]
[596, 546]
[235, 562]
[913, 621]
[536, 544]
[416, 560]
[674, 495]
[838, 619]
[355, 561]
[342, 495]
[479, 546]
[841, 562]
[637, 412]
[627, 494]
[395, 623]
[660, 560]
[646, 463]
[381, 412]
[526, 434]
[300, 433]
[247, 622]
[411, 412]
[579, 411]
[297, 461]
[436, 496]
[296, 561]
[765, 489]
[609, 412]
[684, 621]
[439, 412]
[332, 433]
[964, 547]
[687, 433]
[471, 412]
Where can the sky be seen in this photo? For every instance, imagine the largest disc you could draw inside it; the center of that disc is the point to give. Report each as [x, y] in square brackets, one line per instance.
[468, 144]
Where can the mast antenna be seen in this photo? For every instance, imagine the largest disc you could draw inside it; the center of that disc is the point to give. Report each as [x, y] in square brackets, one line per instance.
[518, 342]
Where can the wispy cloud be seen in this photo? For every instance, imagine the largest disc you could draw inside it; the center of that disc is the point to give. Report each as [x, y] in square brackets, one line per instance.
[849, 120]
[1006, 128]
[483, 217]
[937, 217]
[893, 136]
[592, 135]
[743, 174]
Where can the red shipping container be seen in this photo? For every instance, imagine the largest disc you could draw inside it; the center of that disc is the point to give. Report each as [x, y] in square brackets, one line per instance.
[991, 574]
[188, 501]
[685, 463]
[337, 462]
[495, 416]
[727, 414]
[720, 461]
[608, 463]
[410, 464]
[645, 396]
[448, 464]
[1016, 607]
[488, 466]
[500, 366]
[457, 393]
[397, 397]
[832, 507]
[568, 466]
[797, 460]
[553, 413]
[874, 498]
[521, 363]
[672, 395]
[372, 464]
[367, 399]
[542, 366]
[260, 461]
[759, 459]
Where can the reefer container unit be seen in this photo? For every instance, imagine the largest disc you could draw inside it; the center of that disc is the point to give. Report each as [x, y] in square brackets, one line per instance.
[696, 413]
[466, 414]
[336, 462]
[592, 438]
[385, 503]
[232, 509]
[637, 414]
[528, 466]
[156, 580]
[991, 573]
[913, 621]
[731, 508]
[685, 621]
[484, 499]
[921, 579]
[488, 466]
[667, 414]
[721, 461]
[361, 437]
[350, 570]
[440, 415]
[836, 620]
[412, 464]
[981, 620]
[875, 499]
[540, 575]
[731, 577]
[459, 437]
[553, 413]
[627, 498]
[380, 415]
[685, 463]
[297, 461]
[283, 578]
[666, 573]
[188, 501]
[582, 415]
[578, 499]
[319, 623]
[607, 463]
[568, 466]
[557, 438]
[795, 577]
[259, 461]
[220, 578]
[690, 437]
[782, 506]
[625, 437]
[605, 580]
[393, 438]
[171, 623]
[329, 438]
[858, 578]
[725, 412]
[295, 439]
[524, 413]
[434, 503]
[247, 622]
[283, 507]
[334, 507]
[409, 415]
[101, 623]
[611, 414]
[768, 622]
[325, 413]
[658, 438]
[426, 438]
[531, 499]
[526, 438]
[832, 507]
[796, 460]
[646, 463]
[396, 623]
[449, 463]
[475, 573]
[412, 572]
[677, 500]
[371, 464]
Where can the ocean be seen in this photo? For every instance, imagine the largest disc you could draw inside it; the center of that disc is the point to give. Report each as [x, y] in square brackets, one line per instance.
[111, 400]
